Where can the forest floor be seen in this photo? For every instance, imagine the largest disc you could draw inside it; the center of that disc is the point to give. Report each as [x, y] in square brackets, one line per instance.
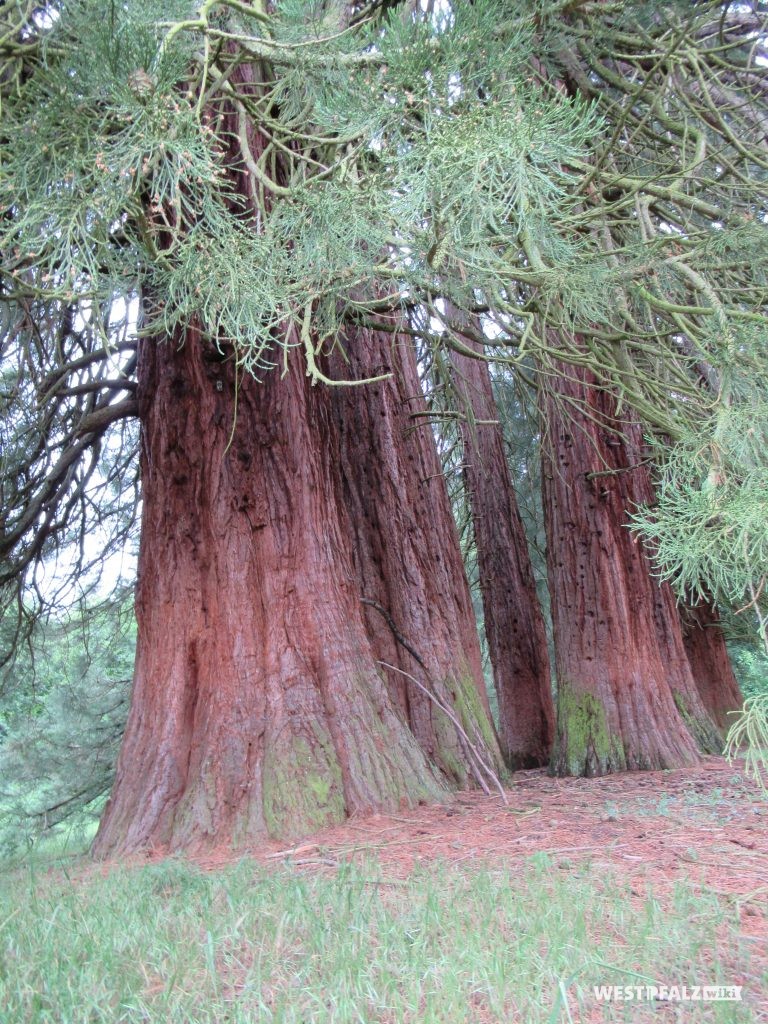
[477, 911]
[707, 825]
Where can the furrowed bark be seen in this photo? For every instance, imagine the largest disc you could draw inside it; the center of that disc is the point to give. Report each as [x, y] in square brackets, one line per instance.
[406, 551]
[616, 709]
[258, 709]
[710, 663]
[514, 624]
[687, 695]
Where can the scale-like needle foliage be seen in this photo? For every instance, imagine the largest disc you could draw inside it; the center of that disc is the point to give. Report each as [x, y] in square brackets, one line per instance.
[246, 171]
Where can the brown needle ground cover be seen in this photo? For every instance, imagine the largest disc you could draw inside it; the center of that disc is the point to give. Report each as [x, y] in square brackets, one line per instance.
[476, 911]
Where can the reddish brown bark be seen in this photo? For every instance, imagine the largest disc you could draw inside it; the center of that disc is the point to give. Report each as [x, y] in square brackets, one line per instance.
[616, 709]
[669, 634]
[406, 550]
[514, 624]
[711, 664]
[257, 705]
[680, 678]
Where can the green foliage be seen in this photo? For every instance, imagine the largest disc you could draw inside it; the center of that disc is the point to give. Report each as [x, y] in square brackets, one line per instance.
[749, 735]
[271, 176]
[84, 143]
[118, 179]
[709, 524]
[62, 723]
[750, 664]
[491, 170]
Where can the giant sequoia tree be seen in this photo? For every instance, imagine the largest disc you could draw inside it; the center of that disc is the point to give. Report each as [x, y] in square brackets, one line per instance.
[263, 698]
[626, 696]
[513, 619]
[407, 558]
[214, 219]
[687, 77]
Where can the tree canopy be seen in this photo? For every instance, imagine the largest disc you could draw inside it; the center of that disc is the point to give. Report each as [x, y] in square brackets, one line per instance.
[588, 176]
[593, 168]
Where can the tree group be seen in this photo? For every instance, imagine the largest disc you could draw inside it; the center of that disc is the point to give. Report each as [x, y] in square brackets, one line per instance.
[261, 260]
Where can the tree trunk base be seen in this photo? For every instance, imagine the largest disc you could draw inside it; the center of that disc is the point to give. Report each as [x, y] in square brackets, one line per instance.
[258, 709]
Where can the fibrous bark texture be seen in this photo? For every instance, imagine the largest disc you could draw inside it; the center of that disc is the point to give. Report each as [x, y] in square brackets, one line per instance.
[687, 696]
[616, 709]
[514, 624]
[407, 557]
[257, 708]
[710, 663]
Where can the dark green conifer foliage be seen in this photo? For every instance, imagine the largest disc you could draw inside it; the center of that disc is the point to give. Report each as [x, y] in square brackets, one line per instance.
[61, 722]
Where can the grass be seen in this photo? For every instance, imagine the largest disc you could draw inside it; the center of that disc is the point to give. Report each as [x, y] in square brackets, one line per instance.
[169, 944]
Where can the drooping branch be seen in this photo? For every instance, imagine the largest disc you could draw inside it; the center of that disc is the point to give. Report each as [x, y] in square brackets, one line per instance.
[67, 445]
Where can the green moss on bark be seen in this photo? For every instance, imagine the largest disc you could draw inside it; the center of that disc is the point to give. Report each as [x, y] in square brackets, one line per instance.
[302, 787]
[448, 753]
[585, 745]
[475, 721]
[472, 713]
[703, 729]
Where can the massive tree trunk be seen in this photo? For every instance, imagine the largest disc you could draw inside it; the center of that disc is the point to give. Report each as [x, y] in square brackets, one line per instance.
[408, 564]
[257, 708]
[514, 624]
[669, 635]
[669, 632]
[710, 663]
[615, 709]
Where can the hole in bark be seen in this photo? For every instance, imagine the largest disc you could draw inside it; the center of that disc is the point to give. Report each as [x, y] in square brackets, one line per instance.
[213, 354]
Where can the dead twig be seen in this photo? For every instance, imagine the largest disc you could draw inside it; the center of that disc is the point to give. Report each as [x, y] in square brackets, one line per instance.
[431, 693]
[305, 848]
[448, 712]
